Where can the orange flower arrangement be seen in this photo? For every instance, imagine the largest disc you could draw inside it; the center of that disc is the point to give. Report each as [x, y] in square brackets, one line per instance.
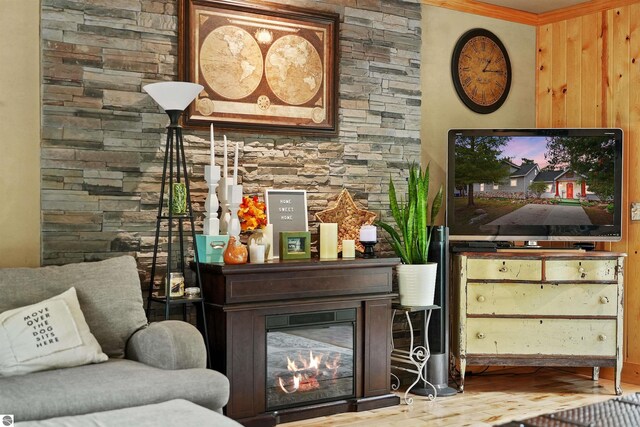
[252, 213]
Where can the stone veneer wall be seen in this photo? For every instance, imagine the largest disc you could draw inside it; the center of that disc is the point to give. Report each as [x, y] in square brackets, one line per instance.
[102, 136]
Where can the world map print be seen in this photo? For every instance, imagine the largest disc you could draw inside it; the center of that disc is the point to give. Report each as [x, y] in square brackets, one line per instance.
[260, 70]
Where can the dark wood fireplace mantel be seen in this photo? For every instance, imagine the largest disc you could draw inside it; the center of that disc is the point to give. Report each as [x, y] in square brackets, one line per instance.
[240, 297]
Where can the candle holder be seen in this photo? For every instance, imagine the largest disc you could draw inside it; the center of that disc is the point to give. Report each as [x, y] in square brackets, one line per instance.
[234, 194]
[211, 226]
[368, 249]
[225, 214]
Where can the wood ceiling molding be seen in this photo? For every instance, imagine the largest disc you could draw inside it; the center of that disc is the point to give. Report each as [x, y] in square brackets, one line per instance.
[484, 9]
[528, 18]
[582, 9]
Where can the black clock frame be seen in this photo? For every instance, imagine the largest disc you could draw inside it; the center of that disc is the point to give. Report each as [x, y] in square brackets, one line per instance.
[455, 58]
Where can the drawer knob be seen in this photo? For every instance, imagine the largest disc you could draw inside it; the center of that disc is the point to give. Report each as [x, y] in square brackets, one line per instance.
[481, 298]
[581, 270]
[503, 269]
[604, 300]
[480, 335]
[602, 337]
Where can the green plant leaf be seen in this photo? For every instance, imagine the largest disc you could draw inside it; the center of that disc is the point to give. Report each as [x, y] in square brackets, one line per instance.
[393, 204]
[435, 206]
[409, 237]
[421, 222]
[410, 240]
[395, 241]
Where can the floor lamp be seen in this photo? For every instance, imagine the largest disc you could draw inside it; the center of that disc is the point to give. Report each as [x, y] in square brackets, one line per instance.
[174, 97]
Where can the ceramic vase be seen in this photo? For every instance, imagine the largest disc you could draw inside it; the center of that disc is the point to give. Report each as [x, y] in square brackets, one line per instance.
[236, 252]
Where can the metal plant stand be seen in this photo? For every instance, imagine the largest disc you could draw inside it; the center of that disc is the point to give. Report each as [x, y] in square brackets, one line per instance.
[416, 355]
[176, 172]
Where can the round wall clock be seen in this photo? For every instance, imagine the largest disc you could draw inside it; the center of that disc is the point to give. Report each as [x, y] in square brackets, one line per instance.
[481, 70]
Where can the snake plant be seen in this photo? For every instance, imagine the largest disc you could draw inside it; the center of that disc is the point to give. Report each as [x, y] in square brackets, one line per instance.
[414, 219]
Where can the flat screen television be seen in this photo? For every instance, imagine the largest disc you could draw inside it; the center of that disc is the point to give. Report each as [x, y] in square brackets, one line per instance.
[534, 184]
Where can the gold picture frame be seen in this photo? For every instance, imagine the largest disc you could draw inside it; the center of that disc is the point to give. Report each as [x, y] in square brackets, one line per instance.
[264, 66]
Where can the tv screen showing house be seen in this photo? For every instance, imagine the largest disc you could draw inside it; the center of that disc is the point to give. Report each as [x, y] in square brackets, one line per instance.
[535, 184]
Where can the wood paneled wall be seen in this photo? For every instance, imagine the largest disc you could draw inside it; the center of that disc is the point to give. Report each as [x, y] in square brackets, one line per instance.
[588, 75]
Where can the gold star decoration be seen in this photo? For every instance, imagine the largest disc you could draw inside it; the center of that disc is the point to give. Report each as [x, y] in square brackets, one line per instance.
[349, 218]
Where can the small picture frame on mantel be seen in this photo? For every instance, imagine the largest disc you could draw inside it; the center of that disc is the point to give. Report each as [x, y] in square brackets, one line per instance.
[295, 245]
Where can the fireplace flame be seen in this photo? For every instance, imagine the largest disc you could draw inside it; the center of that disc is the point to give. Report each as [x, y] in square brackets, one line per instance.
[305, 374]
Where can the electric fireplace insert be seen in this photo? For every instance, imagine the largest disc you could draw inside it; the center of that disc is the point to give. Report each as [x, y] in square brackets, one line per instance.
[310, 358]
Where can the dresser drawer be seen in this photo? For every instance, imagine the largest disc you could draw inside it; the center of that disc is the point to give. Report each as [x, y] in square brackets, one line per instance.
[577, 299]
[566, 337]
[504, 269]
[585, 270]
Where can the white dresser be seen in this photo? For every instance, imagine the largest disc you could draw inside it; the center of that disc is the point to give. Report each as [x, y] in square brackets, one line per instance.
[538, 309]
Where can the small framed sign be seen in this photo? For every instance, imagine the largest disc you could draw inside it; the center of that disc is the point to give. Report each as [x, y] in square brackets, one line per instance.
[287, 211]
[295, 245]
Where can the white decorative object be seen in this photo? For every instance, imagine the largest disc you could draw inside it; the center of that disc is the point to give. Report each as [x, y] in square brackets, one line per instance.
[417, 284]
[211, 226]
[329, 240]
[368, 233]
[225, 164]
[212, 153]
[256, 254]
[235, 166]
[267, 233]
[173, 96]
[234, 194]
[225, 215]
[348, 248]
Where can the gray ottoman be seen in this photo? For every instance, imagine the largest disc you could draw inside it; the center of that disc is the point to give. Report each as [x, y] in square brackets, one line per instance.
[172, 413]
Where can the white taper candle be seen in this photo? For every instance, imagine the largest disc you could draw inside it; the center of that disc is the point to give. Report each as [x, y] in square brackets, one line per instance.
[213, 151]
[235, 166]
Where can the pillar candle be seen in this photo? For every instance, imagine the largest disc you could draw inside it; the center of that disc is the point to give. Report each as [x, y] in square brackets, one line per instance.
[224, 167]
[267, 232]
[256, 254]
[348, 249]
[329, 241]
[224, 159]
[213, 151]
[368, 233]
[235, 166]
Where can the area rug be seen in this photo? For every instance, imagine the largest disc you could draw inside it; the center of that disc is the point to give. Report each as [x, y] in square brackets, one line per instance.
[619, 412]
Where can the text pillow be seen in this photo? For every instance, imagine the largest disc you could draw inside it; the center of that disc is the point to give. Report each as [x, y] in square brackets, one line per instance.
[47, 335]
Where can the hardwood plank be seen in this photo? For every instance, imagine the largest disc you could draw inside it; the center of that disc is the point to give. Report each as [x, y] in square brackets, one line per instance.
[607, 68]
[559, 75]
[632, 138]
[589, 92]
[495, 397]
[574, 65]
[619, 115]
[600, 58]
[544, 73]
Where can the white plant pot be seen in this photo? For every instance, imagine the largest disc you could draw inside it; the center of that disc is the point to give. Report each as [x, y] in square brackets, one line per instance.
[417, 283]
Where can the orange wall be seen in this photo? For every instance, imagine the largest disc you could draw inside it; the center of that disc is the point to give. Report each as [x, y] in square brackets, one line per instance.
[588, 75]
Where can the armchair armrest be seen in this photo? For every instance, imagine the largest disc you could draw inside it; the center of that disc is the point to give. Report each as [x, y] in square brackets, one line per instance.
[169, 344]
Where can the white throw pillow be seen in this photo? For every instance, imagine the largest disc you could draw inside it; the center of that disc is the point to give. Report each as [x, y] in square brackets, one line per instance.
[47, 335]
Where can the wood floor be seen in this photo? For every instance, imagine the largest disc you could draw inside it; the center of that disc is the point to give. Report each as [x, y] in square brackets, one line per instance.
[489, 399]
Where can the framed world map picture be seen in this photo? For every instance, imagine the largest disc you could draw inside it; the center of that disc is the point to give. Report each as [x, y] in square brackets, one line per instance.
[263, 66]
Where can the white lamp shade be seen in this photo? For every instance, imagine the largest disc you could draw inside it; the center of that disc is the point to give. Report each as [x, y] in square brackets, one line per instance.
[173, 95]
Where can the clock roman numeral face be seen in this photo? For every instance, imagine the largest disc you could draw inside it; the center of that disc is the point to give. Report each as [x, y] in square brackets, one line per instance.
[482, 70]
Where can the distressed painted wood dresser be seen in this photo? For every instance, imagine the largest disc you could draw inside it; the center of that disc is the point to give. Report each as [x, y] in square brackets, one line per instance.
[538, 309]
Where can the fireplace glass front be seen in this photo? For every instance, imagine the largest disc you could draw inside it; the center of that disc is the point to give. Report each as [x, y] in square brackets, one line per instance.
[310, 357]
